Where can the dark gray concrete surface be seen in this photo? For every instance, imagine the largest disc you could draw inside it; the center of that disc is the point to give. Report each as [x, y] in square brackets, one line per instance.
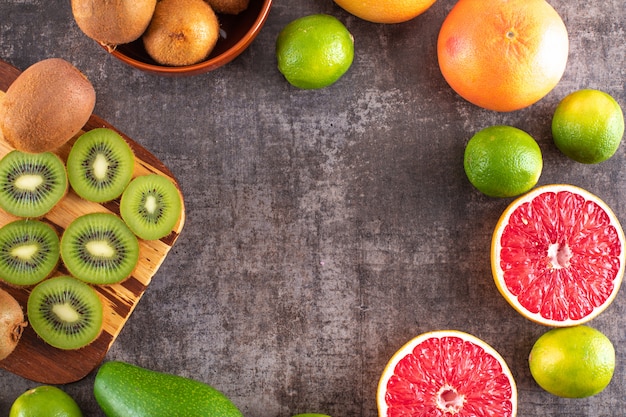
[327, 228]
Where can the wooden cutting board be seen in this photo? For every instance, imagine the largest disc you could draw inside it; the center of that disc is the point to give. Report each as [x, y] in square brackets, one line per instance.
[34, 359]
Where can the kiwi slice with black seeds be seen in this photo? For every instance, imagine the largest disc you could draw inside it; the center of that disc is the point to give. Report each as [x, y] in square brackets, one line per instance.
[31, 184]
[99, 248]
[65, 312]
[29, 252]
[100, 165]
[151, 205]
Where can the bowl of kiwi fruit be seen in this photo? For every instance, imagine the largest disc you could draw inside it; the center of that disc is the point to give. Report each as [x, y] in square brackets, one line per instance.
[173, 37]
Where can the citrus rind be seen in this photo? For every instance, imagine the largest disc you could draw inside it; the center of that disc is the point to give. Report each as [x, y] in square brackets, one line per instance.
[386, 12]
[408, 350]
[498, 272]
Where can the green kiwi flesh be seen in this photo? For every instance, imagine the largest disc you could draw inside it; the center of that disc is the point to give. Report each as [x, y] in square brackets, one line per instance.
[100, 165]
[151, 205]
[65, 312]
[99, 248]
[29, 252]
[31, 184]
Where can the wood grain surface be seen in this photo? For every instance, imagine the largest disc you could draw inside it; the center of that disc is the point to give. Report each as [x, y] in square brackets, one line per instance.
[33, 358]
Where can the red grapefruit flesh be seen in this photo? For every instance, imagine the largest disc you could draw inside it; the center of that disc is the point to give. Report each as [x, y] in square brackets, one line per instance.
[557, 255]
[446, 373]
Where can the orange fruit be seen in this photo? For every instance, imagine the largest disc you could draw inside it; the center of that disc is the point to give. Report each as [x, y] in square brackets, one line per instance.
[502, 55]
[557, 255]
[385, 11]
[443, 373]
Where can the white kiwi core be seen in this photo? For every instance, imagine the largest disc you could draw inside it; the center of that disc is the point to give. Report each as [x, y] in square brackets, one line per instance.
[28, 181]
[100, 167]
[65, 312]
[100, 248]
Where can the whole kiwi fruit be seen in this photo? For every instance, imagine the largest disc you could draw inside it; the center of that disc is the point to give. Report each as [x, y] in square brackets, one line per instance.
[113, 22]
[11, 323]
[46, 106]
[229, 6]
[182, 32]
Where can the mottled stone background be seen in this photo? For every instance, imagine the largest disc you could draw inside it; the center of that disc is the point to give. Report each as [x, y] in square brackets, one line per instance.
[327, 228]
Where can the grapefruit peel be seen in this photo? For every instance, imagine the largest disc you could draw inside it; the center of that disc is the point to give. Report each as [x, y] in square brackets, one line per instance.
[563, 275]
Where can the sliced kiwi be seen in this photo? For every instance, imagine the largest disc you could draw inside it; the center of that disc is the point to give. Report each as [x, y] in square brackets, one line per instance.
[99, 248]
[65, 312]
[31, 184]
[151, 205]
[100, 165]
[29, 252]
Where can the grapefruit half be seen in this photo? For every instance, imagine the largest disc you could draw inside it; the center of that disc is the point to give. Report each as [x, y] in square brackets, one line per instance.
[446, 373]
[557, 255]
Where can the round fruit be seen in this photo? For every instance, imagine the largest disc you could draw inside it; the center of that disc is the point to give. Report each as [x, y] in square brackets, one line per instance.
[29, 252]
[557, 255]
[31, 184]
[502, 55]
[100, 165]
[46, 106]
[113, 22]
[11, 323]
[447, 372]
[314, 51]
[228, 6]
[151, 206]
[45, 401]
[588, 126]
[99, 248]
[182, 32]
[65, 312]
[385, 11]
[502, 161]
[572, 362]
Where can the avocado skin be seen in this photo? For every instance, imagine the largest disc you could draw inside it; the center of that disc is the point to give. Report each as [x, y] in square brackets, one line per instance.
[125, 390]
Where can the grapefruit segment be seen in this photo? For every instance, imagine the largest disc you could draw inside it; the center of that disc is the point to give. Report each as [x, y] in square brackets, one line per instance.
[447, 373]
[557, 255]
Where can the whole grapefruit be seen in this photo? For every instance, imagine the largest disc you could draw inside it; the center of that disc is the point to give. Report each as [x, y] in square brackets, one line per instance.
[502, 55]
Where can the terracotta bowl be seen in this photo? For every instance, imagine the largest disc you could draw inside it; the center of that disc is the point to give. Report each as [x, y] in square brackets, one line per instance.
[236, 34]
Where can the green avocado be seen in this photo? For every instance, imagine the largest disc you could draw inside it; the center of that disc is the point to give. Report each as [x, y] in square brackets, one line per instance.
[125, 390]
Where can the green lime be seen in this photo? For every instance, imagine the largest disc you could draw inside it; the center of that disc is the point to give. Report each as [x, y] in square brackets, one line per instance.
[45, 401]
[314, 51]
[588, 126]
[502, 161]
[572, 362]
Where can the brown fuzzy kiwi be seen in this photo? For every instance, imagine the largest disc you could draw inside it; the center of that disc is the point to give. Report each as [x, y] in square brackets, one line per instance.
[113, 22]
[182, 32]
[229, 6]
[46, 106]
[11, 323]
